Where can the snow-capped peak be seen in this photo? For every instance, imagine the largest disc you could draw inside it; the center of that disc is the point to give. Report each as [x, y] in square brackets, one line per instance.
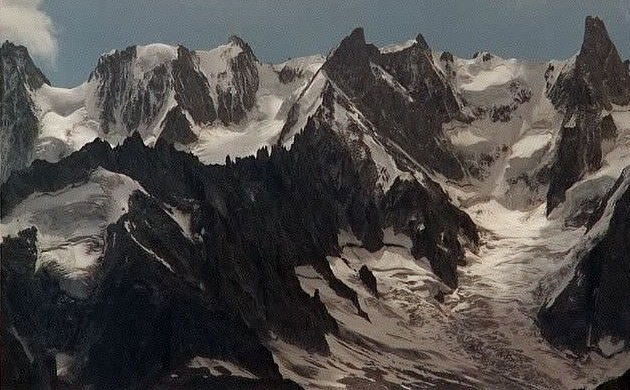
[150, 56]
[215, 63]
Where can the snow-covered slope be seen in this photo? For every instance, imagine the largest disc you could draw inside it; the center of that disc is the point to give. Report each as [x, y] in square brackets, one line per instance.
[236, 106]
[509, 143]
[19, 77]
[587, 307]
[279, 86]
[71, 225]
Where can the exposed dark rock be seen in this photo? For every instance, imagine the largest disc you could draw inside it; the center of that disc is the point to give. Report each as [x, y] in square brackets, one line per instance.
[446, 57]
[434, 225]
[439, 296]
[31, 304]
[407, 206]
[19, 126]
[593, 306]
[110, 71]
[422, 43]
[368, 279]
[306, 188]
[599, 76]
[414, 124]
[287, 74]
[234, 103]
[579, 151]
[502, 113]
[485, 56]
[146, 315]
[598, 79]
[160, 296]
[147, 318]
[621, 383]
[177, 129]
[17, 370]
[192, 91]
[127, 103]
[22, 60]
[245, 274]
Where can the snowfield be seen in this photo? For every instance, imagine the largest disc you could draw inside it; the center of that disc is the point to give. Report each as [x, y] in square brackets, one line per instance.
[479, 75]
[71, 224]
[527, 146]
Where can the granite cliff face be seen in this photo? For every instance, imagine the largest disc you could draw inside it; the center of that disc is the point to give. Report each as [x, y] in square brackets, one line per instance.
[141, 87]
[388, 182]
[237, 96]
[18, 77]
[598, 71]
[586, 93]
[134, 89]
[590, 310]
[140, 319]
[402, 94]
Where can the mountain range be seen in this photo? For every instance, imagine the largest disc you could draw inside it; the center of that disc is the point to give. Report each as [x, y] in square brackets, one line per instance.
[394, 217]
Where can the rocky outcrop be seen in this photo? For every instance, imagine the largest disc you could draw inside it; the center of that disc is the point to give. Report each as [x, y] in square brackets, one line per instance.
[299, 69]
[19, 127]
[599, 75]
[16, 58]
[579, 151]
[586, 93]
[402, 94]
[145, 315]
[177, 128]
[191, 88]
[287, 74]
[235, 238]
[230, 274]
[24, 361]
[591, 311]
[436, 235]
[238, 96]
[377, 195]
[153, 312]
[123, 102]
[368, 279]
[136, 87]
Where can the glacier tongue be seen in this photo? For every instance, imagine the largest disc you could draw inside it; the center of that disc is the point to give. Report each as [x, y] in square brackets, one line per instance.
[483, 335]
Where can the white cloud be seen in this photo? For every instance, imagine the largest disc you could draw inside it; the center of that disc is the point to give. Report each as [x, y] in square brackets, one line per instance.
[24, 22]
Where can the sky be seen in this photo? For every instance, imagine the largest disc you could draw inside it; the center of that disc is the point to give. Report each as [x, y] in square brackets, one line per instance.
[66, 37]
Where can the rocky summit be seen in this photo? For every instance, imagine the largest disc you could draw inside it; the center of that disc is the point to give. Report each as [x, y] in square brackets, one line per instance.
[380, 217]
